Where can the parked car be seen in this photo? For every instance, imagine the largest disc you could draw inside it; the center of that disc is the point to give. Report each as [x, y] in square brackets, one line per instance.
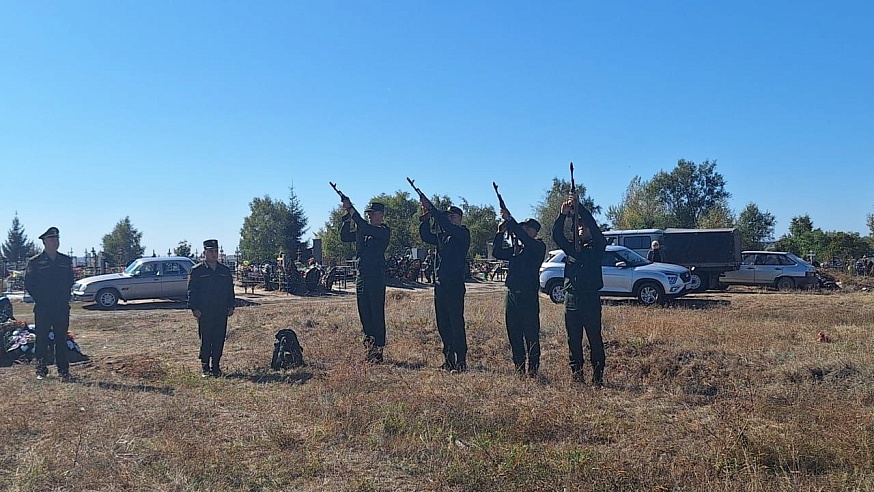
[625, 274]
[785, 271]
[145, 278]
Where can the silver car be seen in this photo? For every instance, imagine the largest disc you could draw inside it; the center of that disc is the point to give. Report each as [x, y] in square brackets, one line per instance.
[145, 278]
[784, 271]
[625, 274]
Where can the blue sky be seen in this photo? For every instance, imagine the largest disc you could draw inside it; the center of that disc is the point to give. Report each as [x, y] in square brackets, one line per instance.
[178, 114]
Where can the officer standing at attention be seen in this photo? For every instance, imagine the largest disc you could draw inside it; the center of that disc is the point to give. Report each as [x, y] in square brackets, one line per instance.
[371, 241]
[582, 281]
[522, 304]
[450, 269]
[48, 279]
[211, 300]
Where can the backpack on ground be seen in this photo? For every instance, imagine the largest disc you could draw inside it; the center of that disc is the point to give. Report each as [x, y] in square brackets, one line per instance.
[287, 352]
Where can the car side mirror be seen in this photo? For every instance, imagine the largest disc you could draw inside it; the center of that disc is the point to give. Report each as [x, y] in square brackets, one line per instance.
[621, 264]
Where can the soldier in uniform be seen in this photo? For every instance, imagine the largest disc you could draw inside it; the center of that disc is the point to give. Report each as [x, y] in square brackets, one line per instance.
[211, 300]
[582, 281]
[48, 279]
[371, 241]
[522, 304]
[450, 268]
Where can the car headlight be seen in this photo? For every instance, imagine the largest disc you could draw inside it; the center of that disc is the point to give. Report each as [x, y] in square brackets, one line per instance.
[672, 279]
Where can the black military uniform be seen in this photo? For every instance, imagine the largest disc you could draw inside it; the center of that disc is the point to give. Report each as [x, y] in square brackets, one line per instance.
[370, 244]
[522, 305]
[211, 299]
[450, 270]
[582, 301]
[49, 280]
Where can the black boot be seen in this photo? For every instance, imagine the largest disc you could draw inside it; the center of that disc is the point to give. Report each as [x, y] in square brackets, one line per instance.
[598, 374]
[204, 369]
[577, 373]
[460, 363]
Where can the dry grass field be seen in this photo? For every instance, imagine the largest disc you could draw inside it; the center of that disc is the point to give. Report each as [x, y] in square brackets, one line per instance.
[728, 391]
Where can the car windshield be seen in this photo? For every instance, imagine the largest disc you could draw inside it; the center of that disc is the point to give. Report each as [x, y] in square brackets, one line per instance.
[132, 268]
[631, 258]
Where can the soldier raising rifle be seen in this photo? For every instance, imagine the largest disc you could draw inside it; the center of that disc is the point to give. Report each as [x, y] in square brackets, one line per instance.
[371, 240]
[450, 269]
[522, 304]
[582, 282]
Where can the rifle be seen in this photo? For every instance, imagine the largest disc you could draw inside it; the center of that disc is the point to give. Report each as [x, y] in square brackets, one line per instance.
[576, 203]
[343, 198]
[431, 208]
[421, 195]
[503, 226]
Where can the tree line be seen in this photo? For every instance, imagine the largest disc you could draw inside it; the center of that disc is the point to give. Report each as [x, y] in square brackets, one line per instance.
[688, 196]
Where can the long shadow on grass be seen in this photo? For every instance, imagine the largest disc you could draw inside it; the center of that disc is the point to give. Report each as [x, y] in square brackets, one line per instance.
[684, 302]
[132, 388]
[272, 377]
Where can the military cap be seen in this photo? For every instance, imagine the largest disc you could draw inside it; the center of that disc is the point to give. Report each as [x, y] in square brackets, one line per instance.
[529, 222]
[375, 207]
[454, 210]
[210, 244]
[50, 232]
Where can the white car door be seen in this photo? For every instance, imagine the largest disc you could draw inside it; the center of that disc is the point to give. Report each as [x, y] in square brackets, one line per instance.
[615, 278]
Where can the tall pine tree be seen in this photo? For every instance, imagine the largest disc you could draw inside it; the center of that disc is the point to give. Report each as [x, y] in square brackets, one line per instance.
[17, 249]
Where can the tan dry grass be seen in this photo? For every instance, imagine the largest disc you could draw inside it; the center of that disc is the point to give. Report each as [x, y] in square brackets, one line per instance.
[723, 392]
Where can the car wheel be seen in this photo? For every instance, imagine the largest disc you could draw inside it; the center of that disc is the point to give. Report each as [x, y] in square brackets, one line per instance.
[555, 289]
[699, 282]
[106, 298]
[650, 293]
[785, 283]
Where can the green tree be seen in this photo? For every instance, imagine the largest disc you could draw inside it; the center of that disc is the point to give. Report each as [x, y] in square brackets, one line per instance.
[17, 247]
[402, 216]
[335, 251]
[640, 208]
[755, 227]
[547, 209]
[122, 245]
[804, 239]
[183, 249]
[690, 191]
[870, 220]
[716, 217]
[800, 225]
[482, 222]
[272, 228]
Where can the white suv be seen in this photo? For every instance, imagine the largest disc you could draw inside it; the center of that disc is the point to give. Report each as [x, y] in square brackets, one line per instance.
[625, 274]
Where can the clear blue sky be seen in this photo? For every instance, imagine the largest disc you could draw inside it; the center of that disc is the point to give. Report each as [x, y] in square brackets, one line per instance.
[178, 114]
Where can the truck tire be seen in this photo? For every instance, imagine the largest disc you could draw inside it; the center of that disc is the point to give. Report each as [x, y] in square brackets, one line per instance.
[700, 282]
